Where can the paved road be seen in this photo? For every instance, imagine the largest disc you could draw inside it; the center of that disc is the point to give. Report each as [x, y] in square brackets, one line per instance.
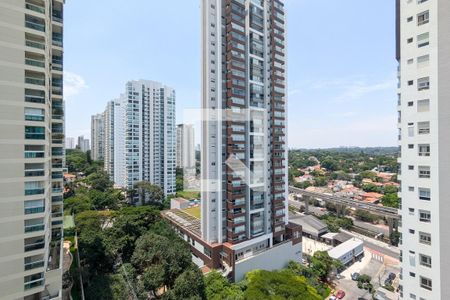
[371, 227]
[376, 246]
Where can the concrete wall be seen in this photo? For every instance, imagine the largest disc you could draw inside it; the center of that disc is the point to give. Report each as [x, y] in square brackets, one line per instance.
[273, 259]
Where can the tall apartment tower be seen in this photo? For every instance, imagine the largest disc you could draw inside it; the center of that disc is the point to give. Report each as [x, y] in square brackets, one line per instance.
[98, 136]
[140, 136]
[185, 146]
[244, 187]
[423, 53]
[83, 144]
[32, 149]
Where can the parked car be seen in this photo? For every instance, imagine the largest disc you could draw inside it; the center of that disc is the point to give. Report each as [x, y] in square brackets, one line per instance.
[355, 276]
[332, 298]
[392, 276]
[388, 281]
[340, 294]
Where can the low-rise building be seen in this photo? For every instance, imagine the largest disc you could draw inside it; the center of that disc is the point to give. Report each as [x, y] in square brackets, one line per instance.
[312, 227]
[348, 252]
[231, 261]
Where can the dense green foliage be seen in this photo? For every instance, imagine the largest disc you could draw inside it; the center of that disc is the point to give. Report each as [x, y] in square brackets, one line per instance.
[334, 223]
[78, 161]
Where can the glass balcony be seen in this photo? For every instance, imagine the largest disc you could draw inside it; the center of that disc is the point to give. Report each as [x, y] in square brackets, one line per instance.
[57, 152]
[33, 244]
[34, 173]
[35, 80]
[56, 199]
[34, 62]
[57, 175]
[34, 7]
[57, 16]
[34, 265]
[35, 283]
[34, 154]
[57, 190]
[30, 192]
[34, 118]
[34, 96]
[34, 23]
[34, 210]
[34, 228]
[57, 39]
[35, 44]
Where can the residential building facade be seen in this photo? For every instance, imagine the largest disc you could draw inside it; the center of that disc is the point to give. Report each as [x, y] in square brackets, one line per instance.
[244, 205]
[32, 149]
[98, 137]
[83, 144]
[423, 53]
[140, 136]
[185, 146]
[70, 143]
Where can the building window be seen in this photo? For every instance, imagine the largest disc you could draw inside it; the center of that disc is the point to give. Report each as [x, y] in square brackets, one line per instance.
[423, 40]
[425, 194]
[423, 127]
[424, 216]
[424, 150]
[410, 129]
[423, 105]
[423, 83]
[423, 60]
[425, 260]
[424, 172]
[423, 18]
[425, 238]
[425, 283]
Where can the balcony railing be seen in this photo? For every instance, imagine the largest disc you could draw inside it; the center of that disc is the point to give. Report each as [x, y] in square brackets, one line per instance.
[34, 265]
[34, 173]
[34, 228]
[35, 283]
[34, 210]
[35, 136]
[35, 44]
[35, 99]
[35, 8]
[33, 80]
[56, 199]
[31, 192]
[35, 26]
[34, 62]
[34, 154]
[35, 246]
[57, 190]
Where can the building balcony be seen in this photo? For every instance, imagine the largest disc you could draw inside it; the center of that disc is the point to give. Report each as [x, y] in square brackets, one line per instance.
[34, 173]
[35, 80]
[34, 228]
[34, 23]
[34, 265]
[33, 244]
[31, 192]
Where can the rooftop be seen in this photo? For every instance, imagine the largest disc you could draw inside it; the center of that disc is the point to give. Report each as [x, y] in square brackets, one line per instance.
[184, 220]
[193, 211]
[310, 224]
[344, 248]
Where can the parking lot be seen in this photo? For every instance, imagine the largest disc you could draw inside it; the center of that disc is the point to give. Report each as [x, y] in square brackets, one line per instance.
[377, 269]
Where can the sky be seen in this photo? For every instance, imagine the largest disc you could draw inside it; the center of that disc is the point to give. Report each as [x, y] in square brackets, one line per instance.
[340, 59]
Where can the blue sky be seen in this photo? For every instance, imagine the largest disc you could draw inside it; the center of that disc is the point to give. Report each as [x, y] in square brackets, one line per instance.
[341, 66]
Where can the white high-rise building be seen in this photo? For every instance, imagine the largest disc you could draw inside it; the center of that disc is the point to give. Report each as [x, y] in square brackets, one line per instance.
[32, 149]
[185, 146]
[244, 204]
[98, 136]
[143, 136]
[83, 144]
[70, 143]
[423, 52]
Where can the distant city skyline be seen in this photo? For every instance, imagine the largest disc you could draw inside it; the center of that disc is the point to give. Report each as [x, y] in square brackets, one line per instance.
[338, 95]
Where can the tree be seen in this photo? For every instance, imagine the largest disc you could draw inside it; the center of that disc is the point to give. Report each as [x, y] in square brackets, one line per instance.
[77, 204]
[152, 249]
[365, 216]
[149, 193]
[322, 265]
[218, 287]
[189, 285]
[391, 200]
[99, 181]
[283, 284]
[329, 164]
[94, 252]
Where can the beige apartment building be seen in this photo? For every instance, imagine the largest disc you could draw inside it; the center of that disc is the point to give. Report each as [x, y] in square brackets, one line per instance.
[31, 149]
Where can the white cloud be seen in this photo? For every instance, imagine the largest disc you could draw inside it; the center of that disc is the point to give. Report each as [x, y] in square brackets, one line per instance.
[73, 84]
[358, 89]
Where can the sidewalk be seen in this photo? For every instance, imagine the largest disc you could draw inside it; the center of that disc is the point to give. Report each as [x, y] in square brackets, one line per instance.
[373, 241]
